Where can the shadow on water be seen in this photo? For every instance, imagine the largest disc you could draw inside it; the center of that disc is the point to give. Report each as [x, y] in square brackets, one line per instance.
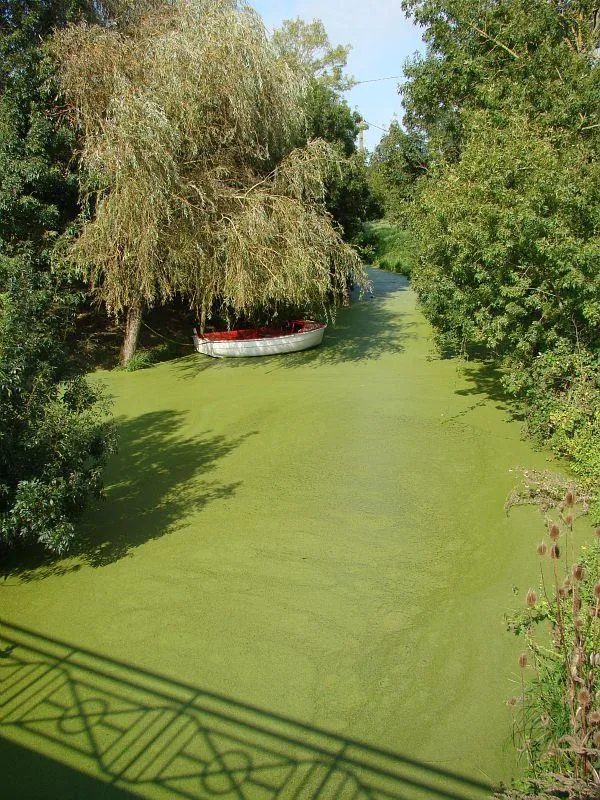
[485, 378]
[367, 329]
[157, 737]
[156, 480]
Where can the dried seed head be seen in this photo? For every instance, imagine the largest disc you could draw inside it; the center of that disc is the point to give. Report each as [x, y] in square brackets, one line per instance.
[578, 572]
[554, 531]
[569, 499]
[597, 740]
[594, 717]
[576, 604]
[542, 549]
[531, 598]
[569, 519]
[563, 591]
[595, 659]
[597, 590]
[512, 701]
[554, 551]
[597, 532]
[523, 660]
[584, 697]
[578, 622]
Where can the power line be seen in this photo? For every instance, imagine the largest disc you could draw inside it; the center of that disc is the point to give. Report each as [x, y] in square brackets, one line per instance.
[375, 80]
[372, 125]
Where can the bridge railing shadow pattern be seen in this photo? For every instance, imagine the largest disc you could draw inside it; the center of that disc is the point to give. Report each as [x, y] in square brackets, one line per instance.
[160, 738]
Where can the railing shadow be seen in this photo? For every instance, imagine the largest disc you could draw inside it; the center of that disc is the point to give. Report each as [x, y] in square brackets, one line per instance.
[30, 776]
[156, 479]
[157, 737]
[366, 329]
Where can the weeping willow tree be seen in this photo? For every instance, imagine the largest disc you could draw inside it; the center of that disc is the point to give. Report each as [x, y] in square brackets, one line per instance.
[187, 119]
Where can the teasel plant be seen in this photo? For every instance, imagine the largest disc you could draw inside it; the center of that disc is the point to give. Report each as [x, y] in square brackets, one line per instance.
[557, 715]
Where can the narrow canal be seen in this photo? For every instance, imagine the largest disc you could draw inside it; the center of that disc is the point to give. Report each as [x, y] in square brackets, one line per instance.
[319, 536]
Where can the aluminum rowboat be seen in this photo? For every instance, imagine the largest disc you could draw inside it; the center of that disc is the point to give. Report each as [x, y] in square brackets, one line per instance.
[265, 341]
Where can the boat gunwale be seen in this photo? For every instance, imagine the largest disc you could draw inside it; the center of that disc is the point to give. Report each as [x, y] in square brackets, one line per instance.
[285, 335]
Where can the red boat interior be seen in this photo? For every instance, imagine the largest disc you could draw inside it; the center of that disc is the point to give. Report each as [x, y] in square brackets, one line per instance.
[265, 332]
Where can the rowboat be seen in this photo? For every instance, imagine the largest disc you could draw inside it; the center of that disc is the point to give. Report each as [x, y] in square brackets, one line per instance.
[264, 341]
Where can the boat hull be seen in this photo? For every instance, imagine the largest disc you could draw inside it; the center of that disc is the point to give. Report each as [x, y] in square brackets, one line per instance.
[263, 346]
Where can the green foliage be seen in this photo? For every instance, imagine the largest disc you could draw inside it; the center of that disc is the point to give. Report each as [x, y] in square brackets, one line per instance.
[390, 247]
[507, 220]
[508, 240]
[528, 55]
[141, 359]
[38, 190]
[305, 46]
[188, 121]
[54, 439]
[53, 443]
[397, 163]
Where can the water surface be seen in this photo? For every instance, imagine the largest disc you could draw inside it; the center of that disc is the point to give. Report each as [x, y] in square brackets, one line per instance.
[320, 536]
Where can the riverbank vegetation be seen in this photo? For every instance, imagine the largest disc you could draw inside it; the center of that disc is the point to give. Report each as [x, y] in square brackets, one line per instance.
[557, 710]
[506, 222]
[54, 437]
[506, 215]
[214, 195]
[388, 246]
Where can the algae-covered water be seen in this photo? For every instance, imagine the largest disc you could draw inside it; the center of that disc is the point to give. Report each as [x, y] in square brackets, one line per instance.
[318, 537]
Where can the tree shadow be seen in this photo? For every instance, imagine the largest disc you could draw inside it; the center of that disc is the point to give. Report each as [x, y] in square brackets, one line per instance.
[365, 330]
[158, 737]
[156, 479]
[485, 378]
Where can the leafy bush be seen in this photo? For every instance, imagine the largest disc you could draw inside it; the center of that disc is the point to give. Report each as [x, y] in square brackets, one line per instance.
[54, 436]
[561, 390]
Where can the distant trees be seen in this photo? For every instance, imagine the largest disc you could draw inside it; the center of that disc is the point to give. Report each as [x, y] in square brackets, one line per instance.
[398, 161]
[188, 122]
[306, 48]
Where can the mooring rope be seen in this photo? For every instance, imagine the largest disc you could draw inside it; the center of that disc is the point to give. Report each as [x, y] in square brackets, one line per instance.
[166, 338]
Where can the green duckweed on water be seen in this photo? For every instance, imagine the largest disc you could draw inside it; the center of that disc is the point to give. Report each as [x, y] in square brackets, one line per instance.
[320, 536]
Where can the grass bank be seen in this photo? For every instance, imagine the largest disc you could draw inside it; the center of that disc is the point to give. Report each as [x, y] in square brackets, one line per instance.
[389, 247]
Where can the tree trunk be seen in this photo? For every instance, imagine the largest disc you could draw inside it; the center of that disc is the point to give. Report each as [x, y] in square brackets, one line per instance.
[133, 323]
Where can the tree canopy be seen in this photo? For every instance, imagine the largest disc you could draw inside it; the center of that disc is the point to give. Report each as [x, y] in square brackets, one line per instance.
[306, 48]
[396, 164]
[54, 440]
[187, 121]
[507, 220]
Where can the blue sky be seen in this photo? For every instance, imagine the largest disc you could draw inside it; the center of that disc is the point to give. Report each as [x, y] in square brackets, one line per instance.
[381, 38]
